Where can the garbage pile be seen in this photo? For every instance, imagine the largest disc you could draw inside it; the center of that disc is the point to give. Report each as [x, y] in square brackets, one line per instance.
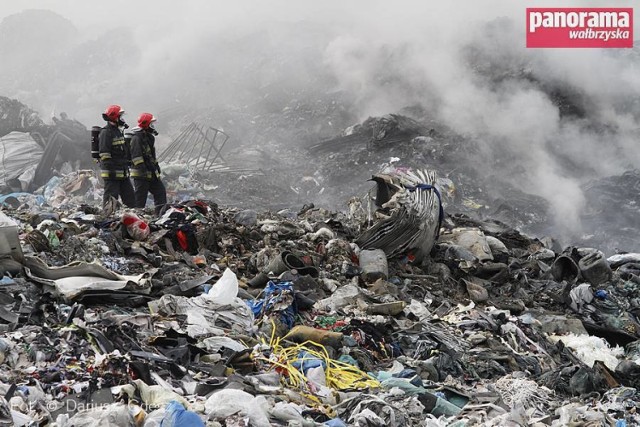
[17, 117]
[214, 315]
[33, 152]
[480, 187]
[485, 186]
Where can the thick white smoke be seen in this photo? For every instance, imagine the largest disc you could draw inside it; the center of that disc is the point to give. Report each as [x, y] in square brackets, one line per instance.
[432, 62]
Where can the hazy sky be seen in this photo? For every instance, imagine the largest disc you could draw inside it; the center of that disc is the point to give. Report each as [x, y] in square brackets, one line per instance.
[163, 14]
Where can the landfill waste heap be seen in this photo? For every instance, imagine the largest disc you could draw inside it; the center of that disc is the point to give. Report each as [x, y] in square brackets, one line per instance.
[33, 152]
[220, 316]
[219, 313]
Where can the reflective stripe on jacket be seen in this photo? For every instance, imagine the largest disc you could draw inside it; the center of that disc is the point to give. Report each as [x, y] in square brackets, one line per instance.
[114, 153]
[143, 155]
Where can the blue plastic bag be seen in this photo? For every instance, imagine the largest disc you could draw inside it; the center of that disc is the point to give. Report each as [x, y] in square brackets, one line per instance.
[274, 302]
[178, 416]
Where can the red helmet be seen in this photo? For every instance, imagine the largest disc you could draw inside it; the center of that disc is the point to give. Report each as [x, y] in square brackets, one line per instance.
[113, 113]
[145, 120]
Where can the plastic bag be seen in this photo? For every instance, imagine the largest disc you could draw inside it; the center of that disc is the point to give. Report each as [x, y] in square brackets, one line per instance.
[136, 227]
[286, 411]
[226, 289]
[114, 415]
[227, 402]
[155, 418]
[153, 395]
[177, 416]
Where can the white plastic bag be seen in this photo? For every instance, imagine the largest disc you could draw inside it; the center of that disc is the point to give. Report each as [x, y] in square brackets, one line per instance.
[225, 290]
[136, 227]
[154, 419]
[227, 402]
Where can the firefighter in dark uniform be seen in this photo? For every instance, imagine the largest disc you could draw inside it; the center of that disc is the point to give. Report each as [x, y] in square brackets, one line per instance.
[145, 170]
[114, 158]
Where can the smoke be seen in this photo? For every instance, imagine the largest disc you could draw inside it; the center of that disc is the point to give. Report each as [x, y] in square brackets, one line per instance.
[477, 77]
[560, 116]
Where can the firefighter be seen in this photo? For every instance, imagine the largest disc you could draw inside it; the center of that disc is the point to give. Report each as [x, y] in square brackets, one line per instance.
[145, 170]
[114, 158]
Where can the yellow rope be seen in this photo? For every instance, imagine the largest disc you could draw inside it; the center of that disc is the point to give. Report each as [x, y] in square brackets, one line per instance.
[338, 375]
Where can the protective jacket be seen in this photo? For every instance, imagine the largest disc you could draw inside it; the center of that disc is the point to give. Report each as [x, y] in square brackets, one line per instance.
[114, 153]
[143, 155]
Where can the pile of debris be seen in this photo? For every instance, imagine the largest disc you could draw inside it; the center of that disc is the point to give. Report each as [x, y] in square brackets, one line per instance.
[32, 152]
[218, 315]
[485, 186]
